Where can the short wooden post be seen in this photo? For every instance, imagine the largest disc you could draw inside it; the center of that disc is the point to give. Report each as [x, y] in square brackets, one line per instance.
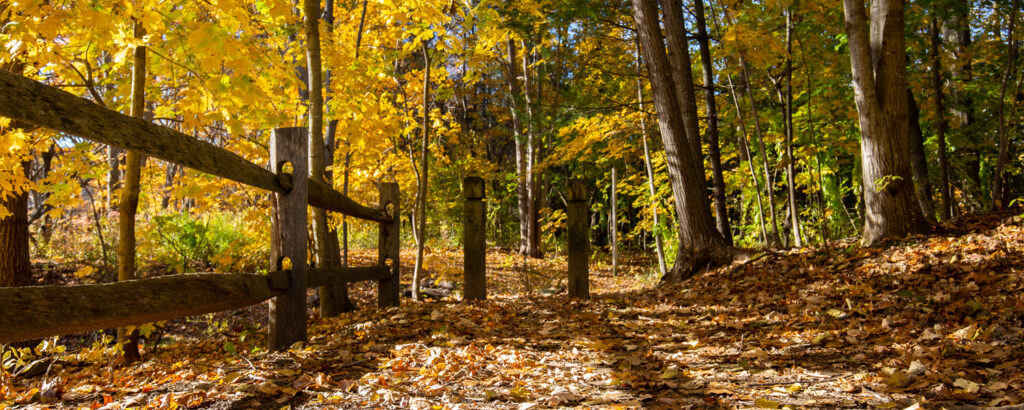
[388, 247]
[579, 239]
[474, 241]
[288, 311]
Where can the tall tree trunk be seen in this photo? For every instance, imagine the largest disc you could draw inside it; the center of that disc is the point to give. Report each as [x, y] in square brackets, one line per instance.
[521, 146]
[918, 161]
[421, 205]
[647, 165]
[776, 240]
[130, 195]
[1004, 151]
[878, 65]
[794, 211]
[700, 243]
[744, 148]
[333, 298]
[945, 194]
[957, 32]
[682, 76]
[532, 236]
[711, 108]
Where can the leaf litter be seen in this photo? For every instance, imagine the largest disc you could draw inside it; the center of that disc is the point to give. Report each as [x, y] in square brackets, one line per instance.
[929, 323]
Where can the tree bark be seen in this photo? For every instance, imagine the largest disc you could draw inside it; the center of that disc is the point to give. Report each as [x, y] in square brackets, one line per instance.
[878, 64]
[130, 195]
[532, 235]
[421, 203]
[15, 265]
[647, 164]
[1004, 151]
[701, 244]
[682, 76]
[918, 160]
[945, 194]
[794, 211]
[957, 33]
[711, 108]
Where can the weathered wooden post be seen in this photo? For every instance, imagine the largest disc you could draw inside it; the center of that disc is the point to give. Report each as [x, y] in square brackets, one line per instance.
[474, 241]
[579, 239]
[388, 247]
[288, 311]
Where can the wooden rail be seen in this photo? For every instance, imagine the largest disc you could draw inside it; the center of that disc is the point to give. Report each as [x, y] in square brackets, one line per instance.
[33, 312]
[35, 103]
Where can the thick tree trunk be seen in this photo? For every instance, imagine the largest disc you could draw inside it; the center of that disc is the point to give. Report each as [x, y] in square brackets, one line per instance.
[711, 107]
[918, 161]
[15, 266]
[421, 203]
[1004, 151]
[130, 195]
[647, 165]
[701, 244]
[945, 194]
[878, 65]
[682, 76]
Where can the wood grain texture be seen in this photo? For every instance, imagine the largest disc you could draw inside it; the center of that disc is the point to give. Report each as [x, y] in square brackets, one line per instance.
[288, 311]
[474, 241]
[42, 311]
[578, 221]
[388, 244]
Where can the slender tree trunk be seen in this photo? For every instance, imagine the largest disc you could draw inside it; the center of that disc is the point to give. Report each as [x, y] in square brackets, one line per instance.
[333, 298]
[1004, 151]
[945, 193]
[521, 146]
[613, 224]
[769, 186]
[711, 107]
[700, 243]
[421, 206]
[130, 195]
[918, 161]
[745, 154]
[957, 32]
[880, 85]
[647, 164]
[114, 175]
[532, 236]
[794, 211]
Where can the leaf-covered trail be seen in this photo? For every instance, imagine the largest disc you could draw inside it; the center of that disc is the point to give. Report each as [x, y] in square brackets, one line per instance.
[936, 322]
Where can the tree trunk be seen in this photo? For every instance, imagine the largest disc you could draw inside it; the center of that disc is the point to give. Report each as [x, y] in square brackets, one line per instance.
[682, 76]
[945, 194]
[878, 65]
[15, 266]
[701, 244]
[333, 298]
[711, 108]
[532, 236]
[957, 32]
[613, 224]
[421, 205]
[776, 240]
[1004, 151]
[794, 211]
[647, 165]
[114, 175]
[918, 161]
[130, 195]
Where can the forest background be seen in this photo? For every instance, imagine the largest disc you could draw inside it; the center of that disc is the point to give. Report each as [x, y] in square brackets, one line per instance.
[526, 94]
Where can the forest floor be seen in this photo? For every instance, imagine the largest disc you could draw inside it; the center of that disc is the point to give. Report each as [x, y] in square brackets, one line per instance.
[931, 322]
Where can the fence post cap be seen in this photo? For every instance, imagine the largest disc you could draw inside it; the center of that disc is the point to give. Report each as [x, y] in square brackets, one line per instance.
[473, 188]
[578, 190]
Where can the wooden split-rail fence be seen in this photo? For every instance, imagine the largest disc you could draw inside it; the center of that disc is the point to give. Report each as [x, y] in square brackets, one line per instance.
[33, 312]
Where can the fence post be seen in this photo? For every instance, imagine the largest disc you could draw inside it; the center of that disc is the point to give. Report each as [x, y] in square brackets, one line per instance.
[288, 240]
[579, 239]
[388, 247]
[474, 241]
